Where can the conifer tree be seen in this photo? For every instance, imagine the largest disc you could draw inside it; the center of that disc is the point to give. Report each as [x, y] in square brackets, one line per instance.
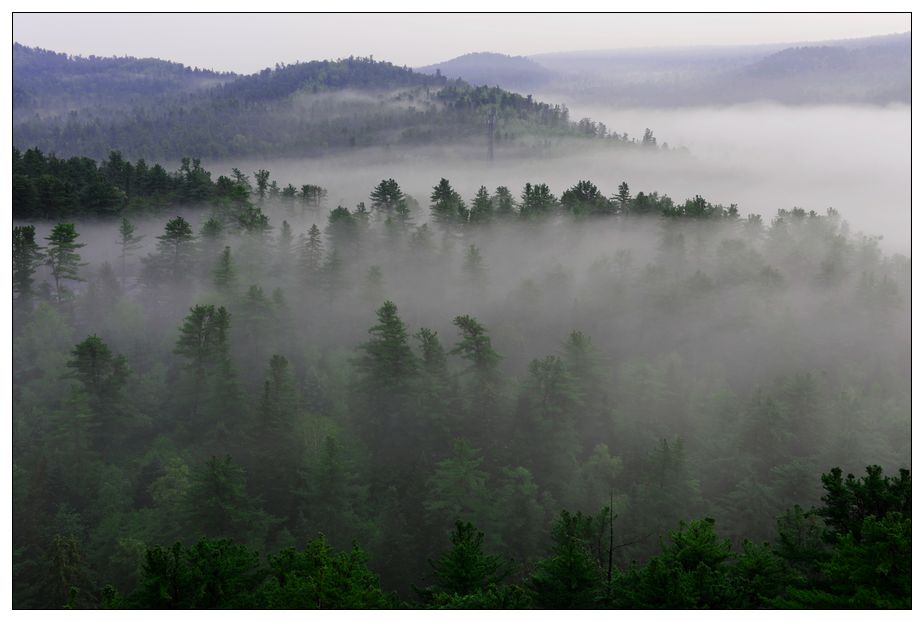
[466, 569]
[311, 256]
[224, 275]
[128, 243]
[502, 200]
[210, 387]
[387, 196]
[447, 205]
[483, 386]
[387, 376]
[62, 257]
[482, 207]
[175, 247]
[26, 257]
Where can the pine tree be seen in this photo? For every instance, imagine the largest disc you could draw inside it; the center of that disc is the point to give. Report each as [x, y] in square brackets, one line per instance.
[210, 388]
[103, 376]
[218, 505]
[465, 569]
[502, 200]
[224, 275]
[457, 490]
[62, 257]
[447, 205]
[386, 380]
[622, 198]
[262, 179]
[482, 207]
[438, 392]
[128, 242]
[175, 247]
[284, 244]
[386, 196]
[482, 392]
[276, 448]
[312, 255]
[27, 256]
[474, 267]
[571, 578]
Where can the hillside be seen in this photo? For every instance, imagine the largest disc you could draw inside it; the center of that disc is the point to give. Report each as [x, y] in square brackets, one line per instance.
[300, 109]
[874, 70]
[512, 72]
[49, 82]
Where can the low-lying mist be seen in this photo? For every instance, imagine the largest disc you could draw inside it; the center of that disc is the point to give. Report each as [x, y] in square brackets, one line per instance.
[761, 157]
[598, 356]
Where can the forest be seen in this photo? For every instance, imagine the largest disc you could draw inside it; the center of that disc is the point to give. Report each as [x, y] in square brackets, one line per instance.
[158, 110]
[234, 394]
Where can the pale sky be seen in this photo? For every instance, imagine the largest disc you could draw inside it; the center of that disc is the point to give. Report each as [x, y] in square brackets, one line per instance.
[247, 43]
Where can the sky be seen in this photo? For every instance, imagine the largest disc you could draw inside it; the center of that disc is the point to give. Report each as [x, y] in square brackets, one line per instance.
[245, 43]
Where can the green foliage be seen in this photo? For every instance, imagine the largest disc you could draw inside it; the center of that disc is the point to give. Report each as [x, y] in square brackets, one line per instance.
[27, 257]
[446, 205]
[457, 489]
[570, 578]
[690, 573]
[465, 570]
[585, 199]
[213, 574]
[319, 578]
[62, 257]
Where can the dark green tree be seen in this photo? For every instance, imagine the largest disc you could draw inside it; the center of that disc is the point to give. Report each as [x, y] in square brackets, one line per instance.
[62, 257]
[27, 256]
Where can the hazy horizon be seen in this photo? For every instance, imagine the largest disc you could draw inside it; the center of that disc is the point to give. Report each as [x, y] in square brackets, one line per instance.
[177, 37]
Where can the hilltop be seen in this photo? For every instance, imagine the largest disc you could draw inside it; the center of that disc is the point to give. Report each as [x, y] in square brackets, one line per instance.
[309, 108]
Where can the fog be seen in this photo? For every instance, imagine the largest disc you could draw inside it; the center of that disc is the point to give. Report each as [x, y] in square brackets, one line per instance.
[732, 361]
[761, 157]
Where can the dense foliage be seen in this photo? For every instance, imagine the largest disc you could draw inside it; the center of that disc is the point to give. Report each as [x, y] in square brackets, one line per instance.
[430, 392]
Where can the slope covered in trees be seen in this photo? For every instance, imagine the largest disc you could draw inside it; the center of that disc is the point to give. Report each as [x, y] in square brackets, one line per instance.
[51, 83]
[430, 382]
[308, 108]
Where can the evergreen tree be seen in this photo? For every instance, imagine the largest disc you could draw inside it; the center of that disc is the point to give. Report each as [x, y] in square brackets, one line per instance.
[585, 199]
[209, 389]
[537, 201]
[62, 257]
[457, 490]
[276, 449]
[465, 569]
[26, 257]
[386, 382]
[175, 248]
[262, 179]
[504, 207]
[224, 276]
[571, 578]
[311, 257]
[128, 243]
[484, 385]
[622, 199]
[218, 505]
[447, 205]
[284, 244]
[387, 196]
[482, 207]
[474, 267]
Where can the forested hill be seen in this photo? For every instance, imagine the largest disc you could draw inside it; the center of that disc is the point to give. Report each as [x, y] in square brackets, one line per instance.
[301, 109]
[48, 82]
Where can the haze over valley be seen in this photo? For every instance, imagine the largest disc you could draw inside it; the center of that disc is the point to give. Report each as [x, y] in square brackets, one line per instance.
[526, 332]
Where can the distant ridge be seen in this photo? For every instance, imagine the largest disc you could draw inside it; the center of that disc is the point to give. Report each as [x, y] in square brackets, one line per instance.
[868, 70]
[492, 69]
